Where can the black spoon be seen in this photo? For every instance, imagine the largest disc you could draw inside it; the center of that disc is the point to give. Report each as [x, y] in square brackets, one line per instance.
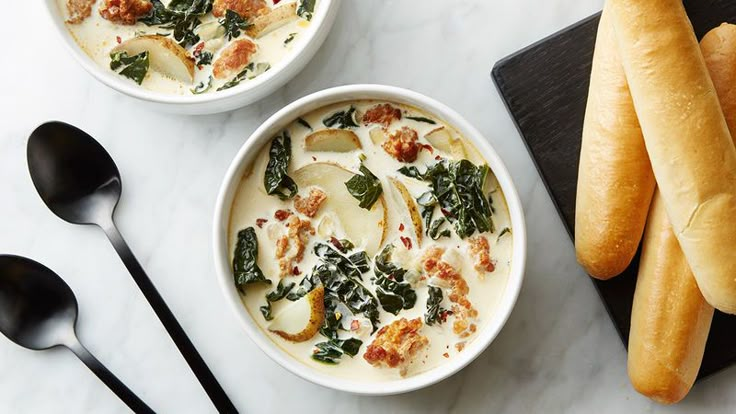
[39, 311]
[80, 183]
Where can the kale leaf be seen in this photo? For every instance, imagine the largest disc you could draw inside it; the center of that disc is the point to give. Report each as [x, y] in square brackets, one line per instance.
[457, 187]
[204, 58]
[341, 276]
[181, 15]
[249, 72]
[421, 119]
[330, 352]
[233, 24]
[304, 123]
[341, 119]
[275, 296]
[435, 313]
[134, 67]
[289, 38]
[308, 283]
[365, 188]
[305, 9]
[275, 180]
[392, 290]
[352, 266]
[202, 87]
[245, 260]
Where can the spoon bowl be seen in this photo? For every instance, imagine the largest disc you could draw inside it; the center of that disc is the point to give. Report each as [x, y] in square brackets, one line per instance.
[73, 174]
[38, 310]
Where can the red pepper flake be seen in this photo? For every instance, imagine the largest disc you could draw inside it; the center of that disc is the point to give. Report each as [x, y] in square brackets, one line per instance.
[437, 157]
[295, 271]
[281, 215]
[198, 49]
[427, 147]
[275, 2]
[444, 314]
[406, 241]
[354, 325]
[335, 242]
[119, 40]
[401, 227]
[446, 355]
[260, 222]
[446, 213]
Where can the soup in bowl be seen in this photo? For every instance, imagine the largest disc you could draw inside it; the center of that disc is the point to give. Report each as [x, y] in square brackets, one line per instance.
[369, 237]
[194, 56]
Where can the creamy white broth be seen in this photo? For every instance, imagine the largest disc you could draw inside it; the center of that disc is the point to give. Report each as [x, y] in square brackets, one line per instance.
[251, 203]
[97, 36]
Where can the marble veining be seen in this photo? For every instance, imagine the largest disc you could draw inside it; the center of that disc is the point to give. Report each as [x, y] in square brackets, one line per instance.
[558, 353]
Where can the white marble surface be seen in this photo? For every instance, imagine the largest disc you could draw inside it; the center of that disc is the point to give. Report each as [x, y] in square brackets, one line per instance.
[558, 353]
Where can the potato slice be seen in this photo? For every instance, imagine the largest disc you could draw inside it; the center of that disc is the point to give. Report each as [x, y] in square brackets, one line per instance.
[411, 207]
[165, 55]
[332, 140]
[378, 135]
[442, 139]
[473, 155]
[301, 320]
[210, 30]
[268, 22]
[366, 228]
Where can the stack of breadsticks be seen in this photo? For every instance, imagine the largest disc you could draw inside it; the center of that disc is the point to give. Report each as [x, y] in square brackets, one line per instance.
[657, 152]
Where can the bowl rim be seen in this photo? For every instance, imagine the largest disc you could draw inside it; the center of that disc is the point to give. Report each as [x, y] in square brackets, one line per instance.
[247, 154]
[276, 76]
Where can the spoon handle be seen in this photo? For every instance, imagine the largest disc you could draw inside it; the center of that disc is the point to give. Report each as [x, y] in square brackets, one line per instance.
[112, 382]
[177, 334]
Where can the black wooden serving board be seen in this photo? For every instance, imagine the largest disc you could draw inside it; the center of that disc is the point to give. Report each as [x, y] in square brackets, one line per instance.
[544, 87]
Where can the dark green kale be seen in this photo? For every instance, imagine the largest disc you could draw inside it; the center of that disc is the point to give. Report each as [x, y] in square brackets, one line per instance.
[457, 187]
[281, 291]
[305, 10]
[330, 352]
[245, 260]
[504, 231]
[181, 16]
[134, 67]
[392, 290]
[341, 276]
[308, 283]
[341, 119]
[365, 188]
[433, 228]
[289, 38]
[435, 313]
[203, 58]
[421, 119]
[249, 72]
[202, 87]
[275, 180]
[304, 123]
[233, 24]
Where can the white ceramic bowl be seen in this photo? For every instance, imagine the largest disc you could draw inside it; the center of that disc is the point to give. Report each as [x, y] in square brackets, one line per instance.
[263, 135]
[241, 95]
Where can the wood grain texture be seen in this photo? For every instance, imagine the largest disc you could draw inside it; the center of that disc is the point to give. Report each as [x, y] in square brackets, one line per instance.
[544, 87]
